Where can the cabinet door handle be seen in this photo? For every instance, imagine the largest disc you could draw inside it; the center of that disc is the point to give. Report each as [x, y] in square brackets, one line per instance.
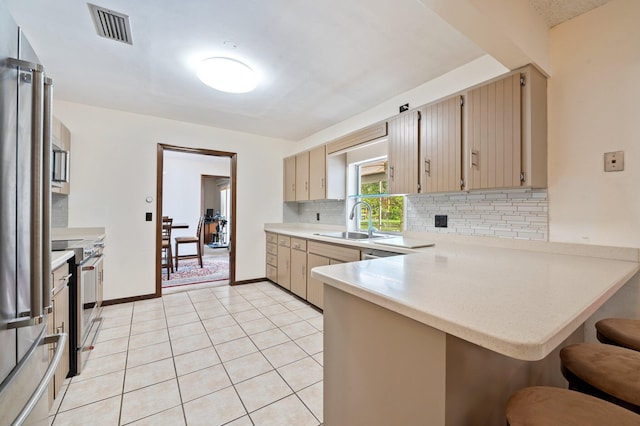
[306, 186]
[321, 182]
[303, 270]
[473, 162]
[391, 172]
[293, 187]
[427, 167]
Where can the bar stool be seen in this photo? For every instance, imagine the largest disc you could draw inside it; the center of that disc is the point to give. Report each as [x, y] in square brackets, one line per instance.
[620, 332]
[607, 372]
[167, 255]
[548, 406]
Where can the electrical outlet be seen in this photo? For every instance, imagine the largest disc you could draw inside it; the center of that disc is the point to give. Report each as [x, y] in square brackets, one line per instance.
[614, 161]
[441, 221]
[148, 216]
[404, 108]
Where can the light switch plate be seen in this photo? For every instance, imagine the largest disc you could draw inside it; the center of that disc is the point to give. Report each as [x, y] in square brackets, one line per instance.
[614, 161]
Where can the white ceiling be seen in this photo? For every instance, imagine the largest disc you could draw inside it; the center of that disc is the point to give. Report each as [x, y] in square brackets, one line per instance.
[320, 62]
[556, 12]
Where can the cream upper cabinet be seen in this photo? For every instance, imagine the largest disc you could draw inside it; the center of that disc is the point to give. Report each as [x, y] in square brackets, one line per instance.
[493, 134]
[61, 141]
[441, 146]
[318, 173]
[506, 128]
[312, 175]
[403, 155]
[290, 179]
[302, 176]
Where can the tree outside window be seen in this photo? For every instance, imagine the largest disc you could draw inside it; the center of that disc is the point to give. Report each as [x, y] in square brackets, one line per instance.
[387, 211]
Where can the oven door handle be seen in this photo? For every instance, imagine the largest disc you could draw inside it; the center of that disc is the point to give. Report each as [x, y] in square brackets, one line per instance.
[94, 261]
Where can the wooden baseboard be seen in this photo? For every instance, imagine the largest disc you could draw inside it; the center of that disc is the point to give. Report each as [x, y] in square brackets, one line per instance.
[128, 299]
[252, 281]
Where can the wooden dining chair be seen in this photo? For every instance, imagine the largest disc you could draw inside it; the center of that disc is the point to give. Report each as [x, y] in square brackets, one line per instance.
[167, 254]
[197, 240]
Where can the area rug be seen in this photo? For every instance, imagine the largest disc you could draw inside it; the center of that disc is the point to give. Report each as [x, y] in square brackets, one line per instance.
[215, 268]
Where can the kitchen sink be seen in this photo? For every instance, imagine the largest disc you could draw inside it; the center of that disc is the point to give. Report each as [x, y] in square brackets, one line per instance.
[352, 235]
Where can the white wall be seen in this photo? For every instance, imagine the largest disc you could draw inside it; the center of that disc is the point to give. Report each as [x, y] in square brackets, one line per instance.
[181, 189]
[113, 170]
[593, 108]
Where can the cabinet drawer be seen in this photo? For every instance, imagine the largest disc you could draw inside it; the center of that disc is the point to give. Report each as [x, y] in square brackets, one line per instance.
[284, 241]
[272, 238]
[272, 249]
[299, 244]
[272, 259]
[272, 273]
[341, 253]
[60, 278]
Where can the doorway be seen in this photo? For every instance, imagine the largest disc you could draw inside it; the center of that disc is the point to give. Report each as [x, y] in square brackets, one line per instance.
[191, 214]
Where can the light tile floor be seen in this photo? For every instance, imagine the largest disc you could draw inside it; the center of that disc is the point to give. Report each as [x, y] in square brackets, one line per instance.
[244, 355]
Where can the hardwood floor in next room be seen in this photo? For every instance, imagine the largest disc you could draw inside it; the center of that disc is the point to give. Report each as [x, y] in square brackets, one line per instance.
[220, 355]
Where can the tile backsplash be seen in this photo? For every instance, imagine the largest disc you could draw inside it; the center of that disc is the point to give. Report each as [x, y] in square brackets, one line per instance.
[510, 213]
[514, 213]
[59, 211]
[332, 212]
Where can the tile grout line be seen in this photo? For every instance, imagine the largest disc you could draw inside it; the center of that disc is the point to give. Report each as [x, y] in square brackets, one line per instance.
[277, 299]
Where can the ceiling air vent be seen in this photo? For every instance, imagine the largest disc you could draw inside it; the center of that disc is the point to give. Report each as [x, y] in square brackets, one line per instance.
[110, 24]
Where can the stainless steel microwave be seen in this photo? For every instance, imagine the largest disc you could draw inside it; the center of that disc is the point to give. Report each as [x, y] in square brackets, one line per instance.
[60, 166]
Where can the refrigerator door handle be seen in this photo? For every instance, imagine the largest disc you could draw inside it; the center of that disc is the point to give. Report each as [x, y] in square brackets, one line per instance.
[61, 341]
[37, 190]
[46, 196]
[25, 65]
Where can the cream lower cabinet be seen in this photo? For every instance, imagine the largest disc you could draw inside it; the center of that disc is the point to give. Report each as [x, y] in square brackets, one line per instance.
[299, 267]
[290, 260]
[314, 286]
[321, 254]
[59, 323]
[272, 257]
[284, 262]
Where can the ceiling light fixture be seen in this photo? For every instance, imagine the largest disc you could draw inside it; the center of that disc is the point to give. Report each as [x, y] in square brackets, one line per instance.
[227, 75]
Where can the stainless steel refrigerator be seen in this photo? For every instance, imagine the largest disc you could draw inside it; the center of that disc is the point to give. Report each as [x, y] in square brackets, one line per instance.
[27, 362]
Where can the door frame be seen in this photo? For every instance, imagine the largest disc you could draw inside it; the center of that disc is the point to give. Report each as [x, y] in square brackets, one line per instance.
[202, 179]
[159, 184]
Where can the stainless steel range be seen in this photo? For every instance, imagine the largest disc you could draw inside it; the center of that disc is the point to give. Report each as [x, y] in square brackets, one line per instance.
[86, 299]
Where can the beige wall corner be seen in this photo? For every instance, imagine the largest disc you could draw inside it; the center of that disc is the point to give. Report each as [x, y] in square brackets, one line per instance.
[509, 30]
[593, 108]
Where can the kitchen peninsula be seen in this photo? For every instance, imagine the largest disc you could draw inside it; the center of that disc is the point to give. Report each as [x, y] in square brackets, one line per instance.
[444, 336]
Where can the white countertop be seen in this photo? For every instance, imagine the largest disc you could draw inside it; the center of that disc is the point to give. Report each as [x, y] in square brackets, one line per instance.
[519, 303]
[58, 258]
[392, 244]
[518, 298]
[78, 233]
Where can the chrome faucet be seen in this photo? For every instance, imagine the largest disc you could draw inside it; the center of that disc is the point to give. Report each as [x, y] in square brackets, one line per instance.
[353, 213]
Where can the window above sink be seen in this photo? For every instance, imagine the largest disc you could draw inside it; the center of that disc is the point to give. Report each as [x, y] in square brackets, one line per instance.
[387, 210]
